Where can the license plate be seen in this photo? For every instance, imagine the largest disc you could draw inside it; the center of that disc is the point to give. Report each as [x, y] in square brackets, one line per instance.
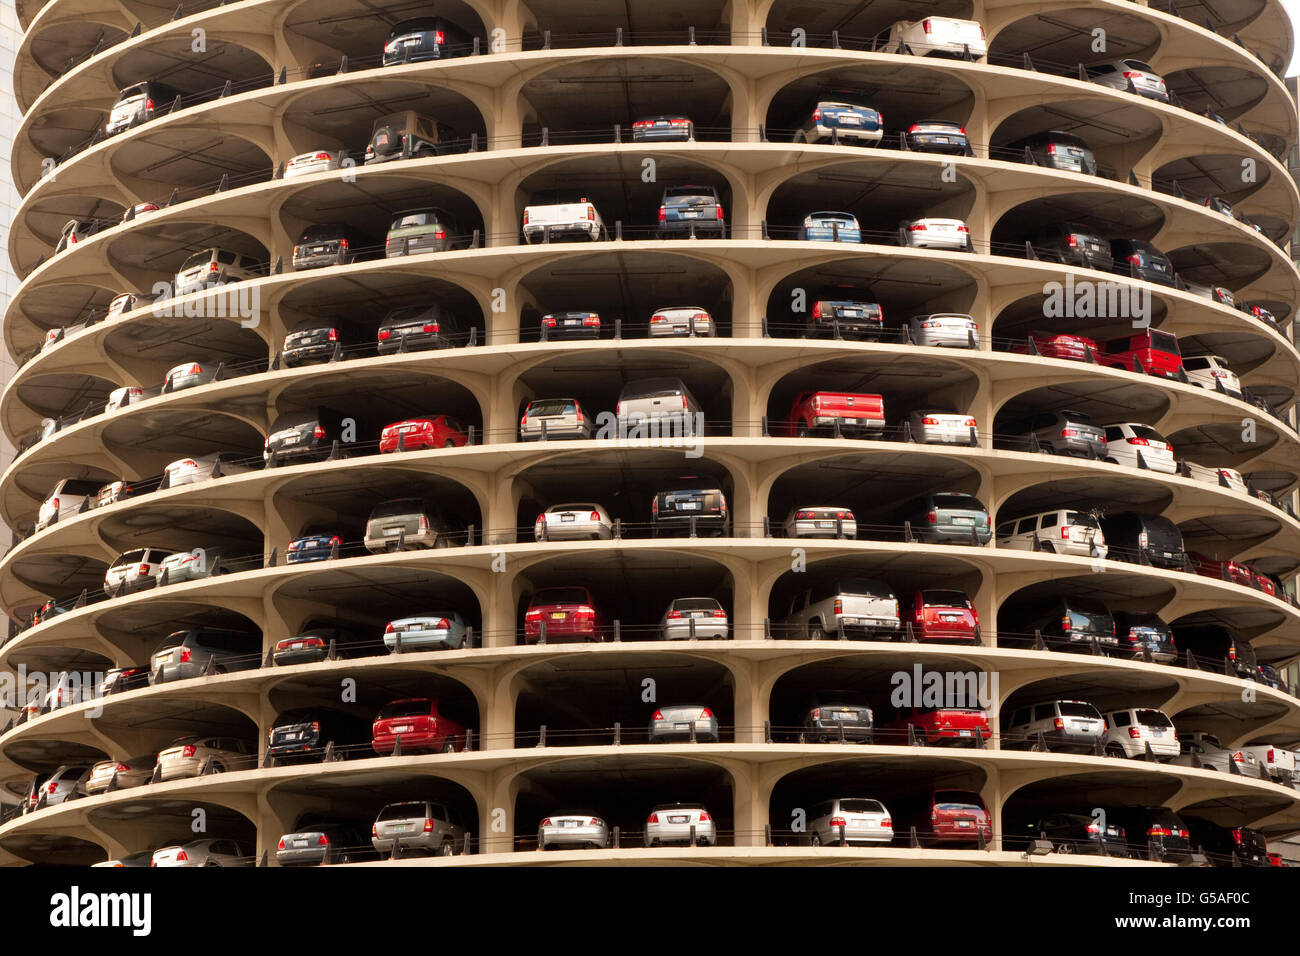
[309, 544]
[851, 120]
[963, 823]
[682, 725]
[411, 41]
[570, 823]
[688, 506]
[294, 735]
[392, 531]
[573, 322]
[949, 618]
[558, 615]
[413, 627]
[1157, 731]
[845, 715]
[315, 249]
[297, 645]
[851, 313]
[963, 520]
[691, 214]
[825, 524]
[404, 728]
[941, 139]
[291, 439]
[299, 843]
[679, 819]
[564, 518]
[398, 826]
[963, 733]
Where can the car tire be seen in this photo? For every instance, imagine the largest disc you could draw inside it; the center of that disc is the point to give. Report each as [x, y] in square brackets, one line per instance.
[1048, 547]
[447, 848]
[815, 633]
[449, 746]
[211, 863]
[814, 840]
[1066, 847]
[1114, 750]
[449, 444]
[1048, 449]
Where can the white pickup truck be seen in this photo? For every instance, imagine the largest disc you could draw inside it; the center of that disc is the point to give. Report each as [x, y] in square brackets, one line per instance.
[564, 220]
[1279, 761]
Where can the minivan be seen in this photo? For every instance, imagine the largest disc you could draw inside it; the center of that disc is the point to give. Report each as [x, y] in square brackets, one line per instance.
[416, 522]
[135, 570]
[139, 104]
[305, 435]
[1066, 725]
[1144, 539]
[185, 654]
[851, 608]
[665, 401]
[67, 498]
[948, 518]
[1056, 532]
[414, 328]
[1057, 150]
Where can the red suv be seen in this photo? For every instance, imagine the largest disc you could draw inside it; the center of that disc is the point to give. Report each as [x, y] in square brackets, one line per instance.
[941, 726]
[570, 615]
[438, 431]
[420, 725]
[945, 617]
[1152, 352]
[1076, 348]
[1223, 570]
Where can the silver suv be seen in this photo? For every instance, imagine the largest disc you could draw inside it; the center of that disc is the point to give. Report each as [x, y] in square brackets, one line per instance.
[423, 826]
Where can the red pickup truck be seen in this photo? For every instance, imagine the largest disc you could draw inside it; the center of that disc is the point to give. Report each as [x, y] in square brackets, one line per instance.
[939, 726]
[819, 413]
[1152, 352]
[421, 726]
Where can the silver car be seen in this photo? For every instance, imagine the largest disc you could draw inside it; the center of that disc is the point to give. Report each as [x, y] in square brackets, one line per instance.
[315, 161]
[673, 822]
[1206, 750]
[944, 329]
[863, 821]
[191, 375]
[686, 618]
[442, 631]
[191, 756]
[684, 320]
[314, 844]
[820, 521]
[142, 859]
[214, 267]
[676, 721]
[572, 829]
[66, 783]
[193, 565]
[188, 471]
[421, 826]
[1132, 75]
[934, 427]
[124, 396]
[573, 522]
[130, 772]
[204, 852]
[554, 418]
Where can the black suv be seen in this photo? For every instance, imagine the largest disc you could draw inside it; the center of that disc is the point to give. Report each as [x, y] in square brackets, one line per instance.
[425, 38]
[1228, 846]
[325, 244]
[1144, 539]
[1065, 622]
[1153, 832]
[301, 736]
[1074, 244]
[1219, 648]
[1141, 260]
[688, 507]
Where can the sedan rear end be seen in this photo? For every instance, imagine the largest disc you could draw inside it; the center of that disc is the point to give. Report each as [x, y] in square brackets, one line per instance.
[572, 831]
[959, 817]
[312, 547]
[439, 631]
[576, 522]
[938, 234]
[676, 722]
[687, 321]
[687, 618]
[680, 824]
[821, 522]
[942, 428]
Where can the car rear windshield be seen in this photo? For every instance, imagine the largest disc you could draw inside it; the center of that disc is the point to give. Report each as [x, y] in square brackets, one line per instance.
[1164, 342]
[174, 639]
[957, 800]
[945, 599]
[695, 604]
[705, 192]
[402, 506]
[552, 406]
[131, 557]
[398, 316]
[1090, 619]
[560, 596]
[321, 233]
[1153, 718]
[1150, 434]
[402, 811]
[651, 388]
[958, 502]
[1080, 519]
[404, 708]
[198, 259]
[1139, 65]
[425, 217]
[861, 806]
[862, 588]
[1074, 708]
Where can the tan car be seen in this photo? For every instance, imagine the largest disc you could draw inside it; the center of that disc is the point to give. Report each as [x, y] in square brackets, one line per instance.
[131, 772]
[188, 756]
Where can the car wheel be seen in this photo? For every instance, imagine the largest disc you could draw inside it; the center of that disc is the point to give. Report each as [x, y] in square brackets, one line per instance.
[447, 849]
[212, 863]
[449, 444]
[1048, 547]
[449, 747]
[803, 738]
[815, 840]
[1047, 449]
[441, 542]
[803, 432]
[922, 740]
[1114, 750]
[1066, 847]
[815, 633]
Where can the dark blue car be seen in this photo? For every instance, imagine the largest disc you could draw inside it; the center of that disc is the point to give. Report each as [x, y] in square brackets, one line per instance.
[425, 38]
[312, 547]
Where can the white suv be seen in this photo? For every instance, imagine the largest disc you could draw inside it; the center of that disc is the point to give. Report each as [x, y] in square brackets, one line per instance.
[1065, 725]
[1126, 440]
[1129, 731]
[942, 36]
[1059, 532]
[1208, 371]
[135, 569]
[863, 821]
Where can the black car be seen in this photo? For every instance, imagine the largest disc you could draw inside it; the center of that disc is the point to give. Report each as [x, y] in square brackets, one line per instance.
[1072, 243]
[1145, 636]
[938, 136]
[843, 312]
[558, 326]
[1219, 648]
[121, 679]
[1153, 832]
[689, 508]
[318, 342]
[1073, 833]
[306, 435]
[837, 715]
[326, 244]
[313, 644]
[419, 327]
[1056, 150]
[302, 735]
[1228, 846]
[425, 38]
[1144, 539]
[1141, 260]
[1065, 622]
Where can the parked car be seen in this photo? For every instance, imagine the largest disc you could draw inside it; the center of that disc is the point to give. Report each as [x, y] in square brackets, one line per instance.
[830, 227]
[934, 233]
[692, 506]
[554, 418]
[843, 120]
[1073, 244]
[1225, 570]
[1143, 635]
[1141, 260]
[326, 244]
[680, 823]
[131, 860]
[134, 570]
[938, 136]
[425, 38]
[435, 431]
[1064, 432]
[1220, 648]
[194, 565]
[943, 616]
[1060, 345]
[214, 267]
[576, 829]
[858, 821]
[938, 726]
[441, 630]
[215, 464]
[567, 217]
[1129, 74]
[1153, 827]
[691, 211]
[1057, 150]
[1057, 532]
[138, 104]
[689, 320]
[1066, 726]
[837, 715]
[815, 413]
[1212, 372]
[126, 302]
[565, 615]
[409, 522]
[1216, 293]
[940, 36]
[302, 735]
[1136, 445]
[665, 128]
[573, 522]
[187, 653]
[313, 546]
[1279, 762]
[318, 342]
[1066, 622]
[1145, 539]
[312, 161]
[932, 426]
[313, 644]
[947, 518]
[317, 843]
[857, 608]
[953, 817]
[416, 231]
[68, 782]
[693, 618]
[1148, 353]
[68, 498]
[116, 680]
[204, 852]
[944, 329]
[306, 434]
[569, 326]
[419, 327]
[128, 395]
[1228, 846]
[820, 522]
[136, 210]
[672, 722]
[409, 135]
[420, 724]
[1129, 731]
[1205, 750]
[196, 754]
[663, 400]
[1073, 833]
[191, 375]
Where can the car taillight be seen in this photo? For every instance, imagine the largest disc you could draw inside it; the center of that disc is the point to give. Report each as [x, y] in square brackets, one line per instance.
[929, 421]
[817, 310]
[720, 213]
[374, 830]
[581, 418]
[839, 606]
[591, 321]
[185, 655]
[1138, 441]
[926, 24]
[704, 817]
[591, 213]
[653, 818]
[887, 823]
[932, 517]
[428, 826]
[318, 432]
[657, 715]
[439, 37]
[1058, 723]
[440, 234]
[1069, 433]
[970, 423]
[52, 787]
[148, 103]
[817, 116]
[654, 506]
[280, 845]
[705, 714]
[1135, 732]
[838, 822]
[1159, 831]
[188, 750]
[1132, 75]
[335, 540]
[917, 227]
[182, 857]
[1135, 260]
[213, 267]
[962, 227]
[1065, 531]
[594, 822]
[1269, 758]
[663, 213]
[594, 516]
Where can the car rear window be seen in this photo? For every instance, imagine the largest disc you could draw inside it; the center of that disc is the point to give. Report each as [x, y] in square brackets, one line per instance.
[321, 233]
[402, 811]
[651, 388]
[1074, 708]
[1139, 65]
[423, 218]
[945, 599]
[1081, 519]
[1164, 342]
[695, 604]
[861, 806]
[959, 502]
[559, 596]
[1150, 434]
[1153, 718]
[1090, 619]
[552, 406]
[862, 588]
[402, 506]
[957, 800]
[404, 708]
[198, 259]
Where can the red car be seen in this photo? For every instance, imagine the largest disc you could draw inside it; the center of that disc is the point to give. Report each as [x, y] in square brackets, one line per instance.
[1149, 351]
[439, 431]
[1076, 348]
[945, 617]
[943, 816]
[420, 725]
[1263, 582]
[1223, 570]
[570, 615]
[819, 412]
[940, 726]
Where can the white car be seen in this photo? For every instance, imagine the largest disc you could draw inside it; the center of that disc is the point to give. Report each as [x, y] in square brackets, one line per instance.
[572, 830]
[192, 565]
[205, 852]
[143, 858]
[950, 329]
[932, 427]
[1126, 440]
[124, 396]
[135, 570]
[1059, 532]
[126, 302]
[112, 493]
[315, 161]
[67, 499]
[825, 521]
[1129, 731]
[684, 320]
[938, 234]
[438, 630]
[188, 471]
[138, 210]
[573, 522]
[686, 618]
[54, 336]
[1279, 761]
[1134, 75]
[1211, 371]
[863, 821]
[941, 36]
[672, 823]
[1224, 477]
